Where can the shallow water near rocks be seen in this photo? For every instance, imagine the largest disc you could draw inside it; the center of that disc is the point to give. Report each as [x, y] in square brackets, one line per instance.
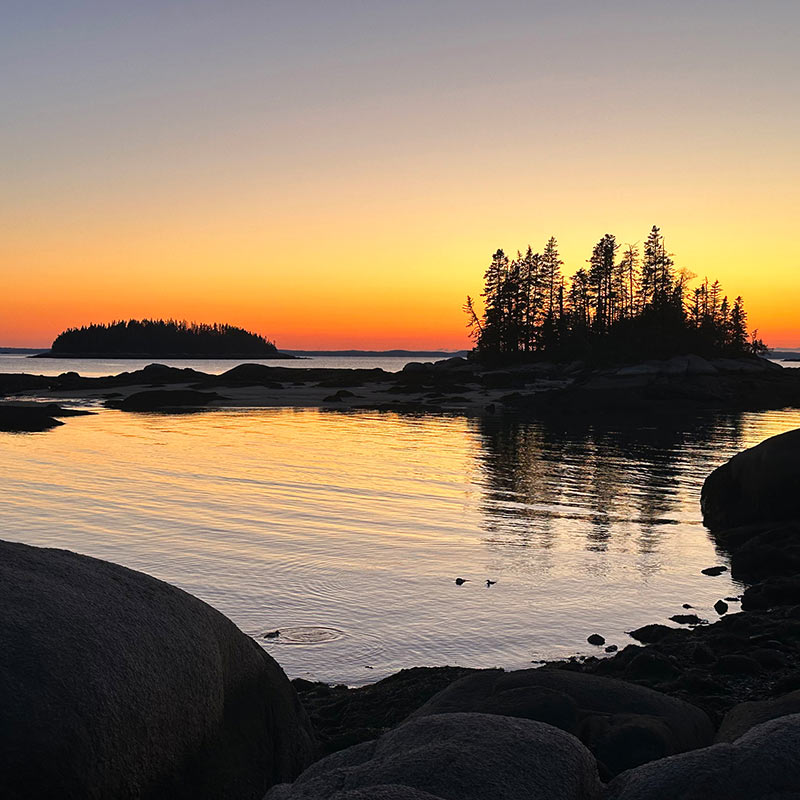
[345, 532]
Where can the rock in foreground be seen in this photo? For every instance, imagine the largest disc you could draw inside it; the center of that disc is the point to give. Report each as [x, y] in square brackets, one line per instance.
[761, 765]
[622, 724]
[760, 485]
[455, 757]
[116, 685]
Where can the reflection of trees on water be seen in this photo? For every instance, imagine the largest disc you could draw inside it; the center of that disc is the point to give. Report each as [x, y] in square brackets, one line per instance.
[615, 481]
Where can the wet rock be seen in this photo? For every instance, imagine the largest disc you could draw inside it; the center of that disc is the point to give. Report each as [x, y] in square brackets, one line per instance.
[702, 654]
[770, 658]
[596, 639]
[763, 551]
[114, 684]
[609, 712]
[651, 633]
[343, 717]
[688, 619]
[33, 417]
[651, 666]
[737, 664]
[761, 764]
[743, 717]
[612, 648]
[417, 368]
[781, 591]
[721, 607]
[713, 571]
[760, 484]
[164, 400]
[457, 757]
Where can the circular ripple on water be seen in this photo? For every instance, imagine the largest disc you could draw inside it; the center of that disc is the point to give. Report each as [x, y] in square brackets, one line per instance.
[305, 634]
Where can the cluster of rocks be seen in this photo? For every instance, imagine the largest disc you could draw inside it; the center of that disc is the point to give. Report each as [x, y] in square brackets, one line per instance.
[451, 385]
[116, 685]
[710, 712]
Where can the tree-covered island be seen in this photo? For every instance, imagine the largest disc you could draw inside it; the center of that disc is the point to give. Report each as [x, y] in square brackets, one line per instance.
[626, 305]
[162, 338]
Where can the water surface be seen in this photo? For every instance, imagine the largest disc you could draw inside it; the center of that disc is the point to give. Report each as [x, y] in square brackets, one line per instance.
[346, 531]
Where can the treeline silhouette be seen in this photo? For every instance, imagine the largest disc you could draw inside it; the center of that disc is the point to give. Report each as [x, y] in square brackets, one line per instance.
[627, 304]
[161, 337]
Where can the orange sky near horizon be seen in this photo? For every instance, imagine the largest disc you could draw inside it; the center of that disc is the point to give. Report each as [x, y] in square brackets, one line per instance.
[338, 180]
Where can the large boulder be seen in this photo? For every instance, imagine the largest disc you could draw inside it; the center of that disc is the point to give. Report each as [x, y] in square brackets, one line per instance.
[624, 725]
[760, 484]
[761, 765]
[741, 718]
[454, 757]
[116, 685]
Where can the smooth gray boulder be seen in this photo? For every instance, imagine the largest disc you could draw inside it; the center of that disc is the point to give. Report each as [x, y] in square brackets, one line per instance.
[624, 725]
[761, 765]
[455, 757]
[760, 484]
[741, 718]
[116, 685]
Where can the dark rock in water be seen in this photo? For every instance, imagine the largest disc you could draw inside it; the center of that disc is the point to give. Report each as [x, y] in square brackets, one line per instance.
[161, 400]
[761, 765]
[26, 419]
[721, 607]
[596, 639]
[34, 417]
[760, 484]
[11, 383]
[623, 724]
[780, 591]
[651, 633]
[612, 648]
[686, 605]
[714, 571]
[688, 619]
[740, 719]
[763, 551]
[457, 757]
[116, 685]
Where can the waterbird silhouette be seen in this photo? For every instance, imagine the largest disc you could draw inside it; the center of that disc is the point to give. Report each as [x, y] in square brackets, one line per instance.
[459, 581]
[490, 583]
[272, 635]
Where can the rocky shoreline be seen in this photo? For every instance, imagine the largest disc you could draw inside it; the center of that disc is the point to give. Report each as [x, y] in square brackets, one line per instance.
[740, 672]
[160, 696]
[454, 385]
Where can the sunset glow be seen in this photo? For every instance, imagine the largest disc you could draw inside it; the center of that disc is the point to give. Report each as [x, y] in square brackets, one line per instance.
[337, 176]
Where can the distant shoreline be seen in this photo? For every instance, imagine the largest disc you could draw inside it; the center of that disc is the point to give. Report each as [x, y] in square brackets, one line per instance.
[171, 356]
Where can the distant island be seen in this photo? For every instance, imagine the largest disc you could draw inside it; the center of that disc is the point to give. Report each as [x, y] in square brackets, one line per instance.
[160, 338]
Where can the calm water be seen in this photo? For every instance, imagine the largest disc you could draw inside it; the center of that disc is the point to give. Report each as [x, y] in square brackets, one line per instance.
[358, 524]
[95, 367]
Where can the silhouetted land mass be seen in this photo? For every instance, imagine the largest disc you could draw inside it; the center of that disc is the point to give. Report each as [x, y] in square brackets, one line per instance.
[34, 417]
[681, 384]
[163, 338]
[619, 309]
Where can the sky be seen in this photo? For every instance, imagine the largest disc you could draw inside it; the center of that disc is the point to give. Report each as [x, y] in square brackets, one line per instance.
[337, 174]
